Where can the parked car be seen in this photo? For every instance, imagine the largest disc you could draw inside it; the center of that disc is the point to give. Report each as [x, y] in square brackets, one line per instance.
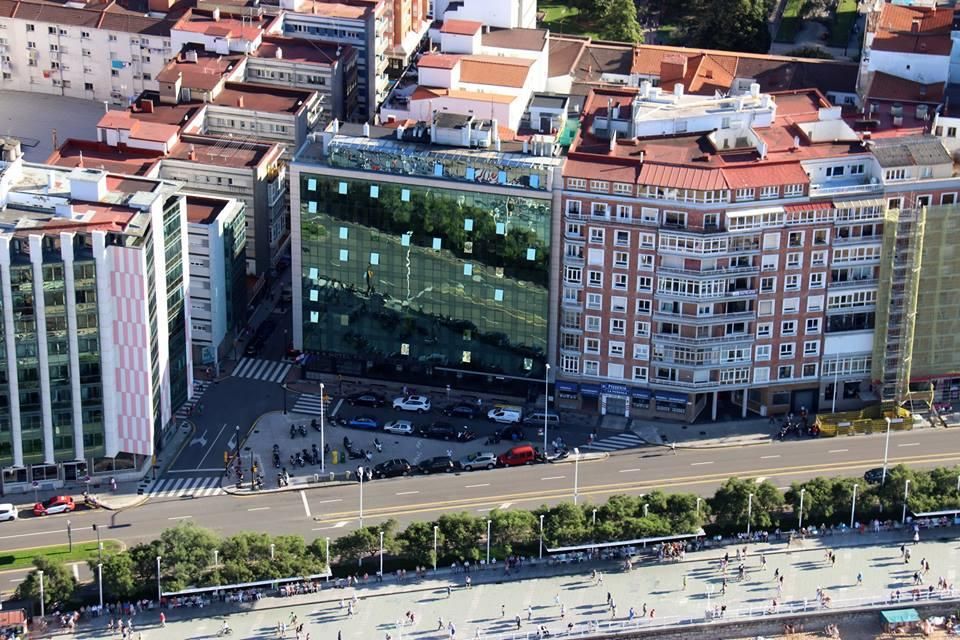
[8, 512]
[462, 410]
[874, 476]
[399, 427]
[392, 468]
[504, 415]
[537, 419]
[420, 404]
[56, 504]
[479, 460]
[513, 432]
[363, 422]
[446, 431]
[366, 399]
[516, 456]
[253, 347]
[439, 464]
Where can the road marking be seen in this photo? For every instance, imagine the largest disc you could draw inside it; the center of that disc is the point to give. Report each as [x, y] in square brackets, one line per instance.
[554, 478]
[838, 450]
[76, 571]
[306, 507]
[208, 470]
[202, 440]
[759, 480]
[258, 509]
[784, 488]
[327, 501]
[505, 505]
[36, 533]
[338, 525]
[180, 518]
[336, 408]
[700, 464]
[406, 493]
[215, 440]
[16, 580]
[474, 486]
[909, 444]
[769, 457]
[629, 470]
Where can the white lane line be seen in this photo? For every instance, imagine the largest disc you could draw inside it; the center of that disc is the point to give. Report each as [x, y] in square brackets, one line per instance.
[214, 444]
[554, 478]
[208, 470]
[909, 444]
[336, 408]
[306, 507]
[699, 464]
[505, 505]
[783, 488]
[838, 450]
[327, 501]
[629, 470]
[76, 571]
[180, 518]
[16, 580]
[36, 533]
[338, 525]
[259, 509]
[474, 486]
[406, 493]
[769, 457]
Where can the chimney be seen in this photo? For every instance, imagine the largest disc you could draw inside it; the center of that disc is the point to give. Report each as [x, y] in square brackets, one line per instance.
[278, 54]
[613, 142]
[526, 147]
[192, 155]
[191, 56]
[915, 26]
[678, 90]
[216, 14]
[642, 154]
[609, 116]
[146, 105]
[400, 131]
[240, 101]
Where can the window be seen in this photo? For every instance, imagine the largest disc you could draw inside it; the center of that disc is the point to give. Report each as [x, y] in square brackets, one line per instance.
[595, 257]
[591, 368]
[600, 185]
[647, 240]
[787, 349]
[675, 218]
[573, 207]
[623, 188]
[711, 221]
[791, 305]
[794, 260]
[764, 329]
[785, 372]
[771, 241]
[643, 307]
[615, 349]
[577, 184]
[768, 193]
[574, 230]
[620, 281]
[31, 27]
[596, 235]
[595, 278]
[948, 198]
[765, 308]
[769, 262]
[112, 38]
[624, 213]
[768, 285]
[593, 324]
[895, 174]
[762, 352]
[792, 190]
[641, 329]
[594, 301]
[640, 374]
[644, 283]
[618, 304]
[615, 371]
[818, 280]
[857, 169]
[814, 303]
[649, 215]
[622, 239]
[621, 259]
[745, 194]
[813, 326]
[645, 262]
[795, 239]
[811, 347]
[761, 374]
[818, 259]
[835, 172]
[148, 76]
[641, 352]
[572, 275]
[791, 283]
[618, 326]
[788, 328]
[591, 346]
[570, 364]
[599, 210]
[809, 370]
[821, 236]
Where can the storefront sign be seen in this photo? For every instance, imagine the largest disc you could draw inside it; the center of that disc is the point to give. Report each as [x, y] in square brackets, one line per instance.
[643, 394]
[614, 389]
[590, 390]
[666, 396]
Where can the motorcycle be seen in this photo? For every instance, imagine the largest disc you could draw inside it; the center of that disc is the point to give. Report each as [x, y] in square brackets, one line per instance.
[293, 432]
[313, 423]
[90, 501]
[303, 430]
[316, 454]
[378, 445]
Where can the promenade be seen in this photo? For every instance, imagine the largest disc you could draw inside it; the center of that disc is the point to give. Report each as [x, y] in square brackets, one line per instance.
[569, 599]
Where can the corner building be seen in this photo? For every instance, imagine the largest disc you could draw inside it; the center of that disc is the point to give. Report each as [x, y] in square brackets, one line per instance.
[424, 251]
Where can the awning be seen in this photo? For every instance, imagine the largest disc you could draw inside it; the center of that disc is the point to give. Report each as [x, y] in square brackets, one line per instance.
[592, 390]
[900, 616]
[666, 396]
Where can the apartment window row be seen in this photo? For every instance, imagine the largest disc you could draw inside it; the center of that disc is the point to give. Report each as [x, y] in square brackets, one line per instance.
[852, 299]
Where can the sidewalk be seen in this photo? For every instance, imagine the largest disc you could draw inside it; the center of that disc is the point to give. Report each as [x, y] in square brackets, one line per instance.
[733, 433]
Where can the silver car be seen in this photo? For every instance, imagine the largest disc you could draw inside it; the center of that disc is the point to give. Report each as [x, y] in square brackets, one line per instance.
[479, 460]
[399, 427]
[8, 512]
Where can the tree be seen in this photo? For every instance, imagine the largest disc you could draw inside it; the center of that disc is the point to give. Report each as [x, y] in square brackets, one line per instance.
[58, 583]
[119, 576]
[619, 22]
[512, 530]
[356, 544]
[810, 52]
[417, 542]
[731, 503]
[186, 553]
[825, 500]
[564, 524]
[735, 25]
[461, 535]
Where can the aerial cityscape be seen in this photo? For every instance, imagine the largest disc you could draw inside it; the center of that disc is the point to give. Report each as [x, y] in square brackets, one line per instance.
[500, 319]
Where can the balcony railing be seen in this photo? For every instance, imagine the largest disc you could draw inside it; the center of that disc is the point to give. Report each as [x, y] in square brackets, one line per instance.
[727, 339]
[716, 318]
[708, 273]
[829, 189]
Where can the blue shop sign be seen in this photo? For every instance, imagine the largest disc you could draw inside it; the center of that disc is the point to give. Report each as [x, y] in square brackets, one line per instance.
[569, 387]
[642, 394]
[590, 390]
[666, 396]
[614, 389]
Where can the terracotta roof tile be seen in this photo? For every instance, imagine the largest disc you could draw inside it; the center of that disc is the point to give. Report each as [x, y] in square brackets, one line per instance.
[516, 38]
[895, 17]
[675, 177]
[497, 71]
[438, 61]
[764, 175]
[461, 27]
[884, 86]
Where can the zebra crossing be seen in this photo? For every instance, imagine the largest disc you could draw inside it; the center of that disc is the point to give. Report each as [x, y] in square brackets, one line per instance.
[199, 388]
[627, 440]
[176, 487]
[310, 404]
[269, 370]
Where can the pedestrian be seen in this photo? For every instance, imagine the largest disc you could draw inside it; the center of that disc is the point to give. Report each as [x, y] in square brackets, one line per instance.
[163, 619]
[439, 624]
[644, 614]
[503, 610]
[517, 621]
[599, 577]
[684, 583]
[563, 612]
[859, 579]
[469, 582]
[763, 562]
[723, 587]
[529, 613]
[556, 599]
[609, 598]
[448, 591]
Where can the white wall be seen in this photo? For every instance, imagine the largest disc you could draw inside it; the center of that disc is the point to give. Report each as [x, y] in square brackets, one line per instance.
[457, 43]
[917, 67]
[848, 342]
[445, 78]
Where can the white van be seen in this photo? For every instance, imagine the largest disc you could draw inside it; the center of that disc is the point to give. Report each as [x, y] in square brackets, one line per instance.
[505, 415]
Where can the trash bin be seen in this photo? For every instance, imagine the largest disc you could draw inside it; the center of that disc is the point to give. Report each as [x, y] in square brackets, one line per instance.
[334, 456]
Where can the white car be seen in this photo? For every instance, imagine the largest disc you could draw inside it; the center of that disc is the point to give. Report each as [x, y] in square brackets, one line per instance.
[8, 512]
[504, 416]
[399, 427]
[420, 404]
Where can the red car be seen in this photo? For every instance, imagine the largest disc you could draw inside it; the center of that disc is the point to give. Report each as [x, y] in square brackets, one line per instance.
[56, 504]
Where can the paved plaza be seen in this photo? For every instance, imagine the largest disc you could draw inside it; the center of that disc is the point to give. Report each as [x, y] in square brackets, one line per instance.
[556, 595]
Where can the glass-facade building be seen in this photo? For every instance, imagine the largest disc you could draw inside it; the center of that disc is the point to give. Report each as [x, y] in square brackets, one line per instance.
[407, 267]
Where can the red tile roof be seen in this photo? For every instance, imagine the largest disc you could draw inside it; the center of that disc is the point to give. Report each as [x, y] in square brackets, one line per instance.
[884, 86]
[225, 27]
[259, 97]
[96, 155]
[765, 175]
[438, 61]
[675, 177]
[461, 27]
[302, 50]
[152, 131]
[914, 30]
[498, 71]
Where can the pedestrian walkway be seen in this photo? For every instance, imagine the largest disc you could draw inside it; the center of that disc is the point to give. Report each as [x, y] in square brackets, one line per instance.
[268, 370]
[627, 440]
[199, 388]
[173, 487]
[309, 404]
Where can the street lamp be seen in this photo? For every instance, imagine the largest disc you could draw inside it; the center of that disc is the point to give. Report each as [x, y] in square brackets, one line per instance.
[906, 493]
[886, 450]
[40, 574]
[541, 536]
[326, 558]
[272, 554]
[749, 513]
[576, 474]
[99, 544]
[381, 555]
[323, 445]
[159, 592]
[100, 582]
[594, 523]
[800, 521]
[236, 438]
[646, 509]
[853, 508]
[546, 405]
[69, 536]
[489, 522]
[360, 473]
[698, 506]
[436, 531]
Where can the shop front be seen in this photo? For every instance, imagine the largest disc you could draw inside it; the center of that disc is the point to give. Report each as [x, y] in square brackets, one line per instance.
[614, 400]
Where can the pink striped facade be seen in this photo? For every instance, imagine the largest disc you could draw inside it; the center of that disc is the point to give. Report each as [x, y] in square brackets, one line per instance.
[128, 286]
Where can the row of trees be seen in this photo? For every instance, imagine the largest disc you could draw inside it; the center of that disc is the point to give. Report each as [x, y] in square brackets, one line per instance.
[194, 557]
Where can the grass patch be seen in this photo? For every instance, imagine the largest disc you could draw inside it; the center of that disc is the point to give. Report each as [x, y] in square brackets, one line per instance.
[790, 22]
[82, 551]
[562, 18]
[843, 20]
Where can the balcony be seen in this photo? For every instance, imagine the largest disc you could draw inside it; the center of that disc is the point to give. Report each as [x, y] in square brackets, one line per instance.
[739, 294]
[853, 284]
[857, 239]
[716, 318]
[573, 260]
[844, 187]
[709, 273]
[276, 185]
[687, 340]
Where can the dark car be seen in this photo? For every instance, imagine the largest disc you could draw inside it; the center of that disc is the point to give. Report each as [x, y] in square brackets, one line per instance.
[366, 399]
[513, 433]
[254, 346]
[439, 464]
[363, 422]
[874, 476]
[446, 431]
[264, 330]
[462, 410]
[392, 468]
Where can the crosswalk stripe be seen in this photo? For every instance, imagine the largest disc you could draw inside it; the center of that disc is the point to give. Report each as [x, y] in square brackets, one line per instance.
[616, 443]
[308, 403]
[198, 487]
[268, 370]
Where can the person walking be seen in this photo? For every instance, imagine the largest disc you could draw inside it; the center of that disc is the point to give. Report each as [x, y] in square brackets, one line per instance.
[684, 588]
[503, 610]
[517, 621]
[163, 620]
[860, 579]
[529, 613]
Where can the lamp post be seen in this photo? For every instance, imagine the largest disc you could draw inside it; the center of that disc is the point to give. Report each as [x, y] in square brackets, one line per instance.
[272, 551]
[323, 444]
[360, 473]
[800, 521]
[69, 536]
[381, 555]
[541, 536]
[326, 554]
[749, 513]
[698, 506]
[576, 474]
[906, 493]
[594, 518]
[216, 562]
[546, 404]
[489, 522]
[853, 508]
[236, 438]
[886, 450]
[100, 582]
[96, 529]
[836, 375]
[159, 592]
[646, 509]
[436, 532]
[40, 574]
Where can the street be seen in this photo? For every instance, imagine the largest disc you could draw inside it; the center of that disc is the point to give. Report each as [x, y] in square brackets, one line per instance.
[327, 511]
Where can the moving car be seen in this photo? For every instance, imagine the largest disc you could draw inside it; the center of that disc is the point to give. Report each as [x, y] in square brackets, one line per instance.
[874, 476]
[537, 419]
[439, 464]
[399, 427]
[420, 404]
[56, 504]
[479, 460]
[446, 431]
[253, 347]
[516, 456]
[363, 422]
[504, 415]
[366, 399]
[392, 468]
[513, 432]
[462, 410]
[8, 512]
